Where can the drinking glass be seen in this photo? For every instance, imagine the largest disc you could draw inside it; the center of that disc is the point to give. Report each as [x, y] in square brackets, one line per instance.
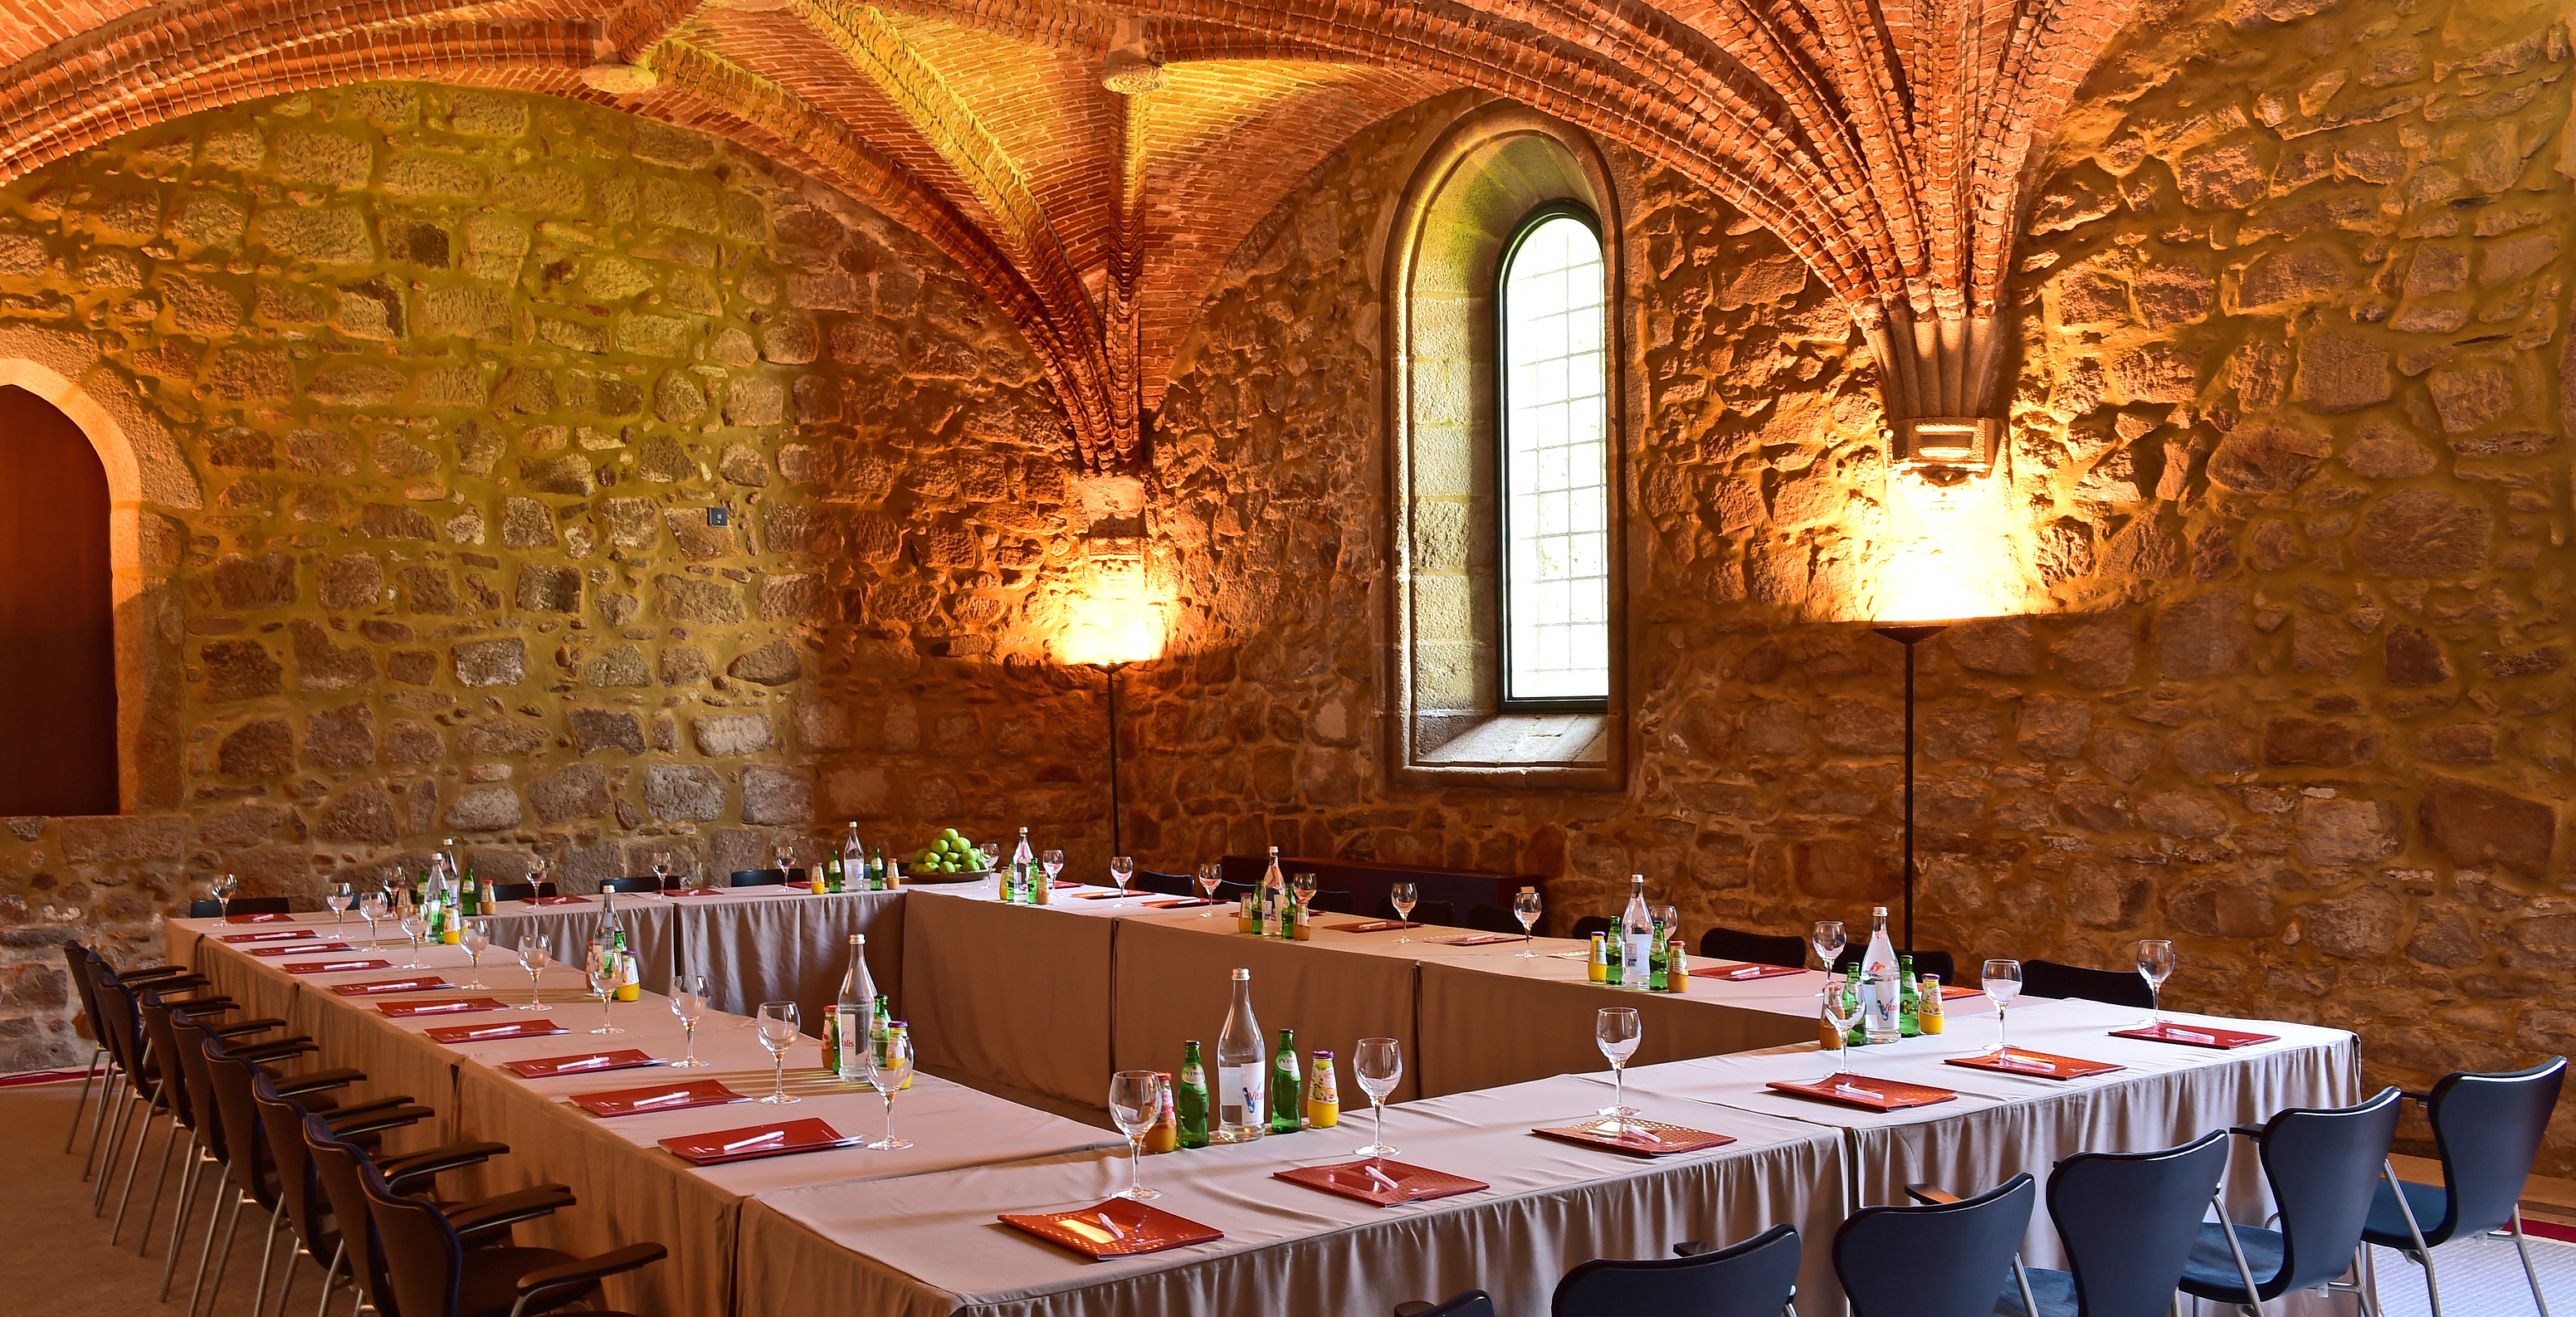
[1122, 871]
[413, 926]
[1618, 1031]
[222, 890]
[1404, 896]
[689, 1002]
[889, 1068]
[661, 871]
[1210, 874]
[537, 880]
[786, 852]
[1840, 1021]
[1379, 1065]
[778, 1033]
[338, 899]
[372, 908]
[2155, 965]
[606, 977]
[1135, 1099]
[988, 855]
[1053, 863]
[1525, 908]
[2003, 983]
[1828, 939]
[478, 936]
[533, 957]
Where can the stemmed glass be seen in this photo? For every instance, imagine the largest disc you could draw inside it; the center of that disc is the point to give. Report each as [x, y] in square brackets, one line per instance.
[533, 957]
[1379, 1066]
[1210, 874]
[1840, 1022]
[1618, 1031]
[2003, 983]
[222, 889]
[889, 1069]
[1135, 1099]
[689, 1002]
[786, 852]
[1122, 871]
[1302, 887]
[1053, 863]
[1404, 896]
[373, 908]
[478, 936]
[338, 899]
[778, 1033]
[1525, 908]
[537, 877]
[2155, 965]
[606, 977]
[413, 925]
[662, 872]
[1828, 939]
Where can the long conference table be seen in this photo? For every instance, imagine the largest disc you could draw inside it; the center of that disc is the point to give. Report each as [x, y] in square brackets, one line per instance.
[1047, 1000]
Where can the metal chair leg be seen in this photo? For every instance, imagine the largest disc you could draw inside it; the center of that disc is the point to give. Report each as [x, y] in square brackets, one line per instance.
[287, 1286]
[2529, 1273]
[98, 1117]
[2423, 1252]
[224, 1263]
[2236, 1247]
[115, 1140]
[188, 1180]
[134, 1164]
[152, 1210]
[330, 1274]
[268, 1250]
[224, 1196]
[88, 1075]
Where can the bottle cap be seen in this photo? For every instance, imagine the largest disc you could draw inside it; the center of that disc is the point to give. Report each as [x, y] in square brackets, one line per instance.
[1242, 975]
[858, 939]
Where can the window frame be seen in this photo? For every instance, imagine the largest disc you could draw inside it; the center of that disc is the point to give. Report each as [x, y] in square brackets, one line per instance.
[1504, 700]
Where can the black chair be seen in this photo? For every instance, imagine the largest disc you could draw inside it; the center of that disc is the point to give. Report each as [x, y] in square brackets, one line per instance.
[105, 1065]
[2128, 1220]
[311, 1228]
[161, 1025]
[644, 884]
[1473, 1303]
[430, 1273]
[242, 905]
[346, 1174]
[2487, 1130]
[759, 878]
[1751, 948]
[521, 891]
[1162, 884]
[1925, 962]
[1442, 913]
[2322, 1166]
[1938, 1260]
[1332, 903]
[1588, 925]
[1492, 919]
[2047, 978]
[1757, 1277]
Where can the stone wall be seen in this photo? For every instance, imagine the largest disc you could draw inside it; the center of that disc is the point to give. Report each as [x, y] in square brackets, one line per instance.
[433, 392]
[2285, 498]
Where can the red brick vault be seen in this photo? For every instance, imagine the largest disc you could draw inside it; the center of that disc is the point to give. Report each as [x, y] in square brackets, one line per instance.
[1095, 167]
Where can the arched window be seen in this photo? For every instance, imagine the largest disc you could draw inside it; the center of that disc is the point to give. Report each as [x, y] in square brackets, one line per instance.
[1555, 468]
[57, 616]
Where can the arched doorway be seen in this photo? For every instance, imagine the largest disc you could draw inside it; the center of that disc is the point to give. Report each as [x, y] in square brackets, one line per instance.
[58, 725]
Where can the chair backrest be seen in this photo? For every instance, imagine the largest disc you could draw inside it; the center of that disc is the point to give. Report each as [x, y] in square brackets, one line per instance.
[424, 1261]
[1591, 924]
[644, 884]
[1332, 903]
[2323, 1165]
[1491, 919]
[1443, 913]
[1752, 948]
[76, 963]
[192, 1069]
[165, 1043]
[2128, 1220]
[344, 1173]
[239, 1113]
[2488, 1129]
[242, 905]
[1753, 1278]
[2047, 978]
[759, 877]
[1948, 1260]
[521, 891]
[1473, 1303]
[1926, 961]
[117, 1012]
[281, 1124]
[1166, 884]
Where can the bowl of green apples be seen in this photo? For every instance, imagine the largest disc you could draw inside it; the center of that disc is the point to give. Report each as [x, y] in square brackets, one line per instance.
[949, 858]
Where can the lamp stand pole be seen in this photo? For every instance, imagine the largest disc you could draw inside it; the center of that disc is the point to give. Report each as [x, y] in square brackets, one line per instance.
[1116, 845]
[1909, 636]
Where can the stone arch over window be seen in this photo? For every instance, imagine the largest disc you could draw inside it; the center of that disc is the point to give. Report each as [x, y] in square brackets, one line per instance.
[142, 468]
[1476, 188]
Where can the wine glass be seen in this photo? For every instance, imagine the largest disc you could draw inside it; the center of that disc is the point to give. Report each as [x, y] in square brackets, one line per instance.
[537, 880]
[1135, 1099]
[689, 1002]
[988, 855]
[889, 1069]
[1053, 863]
[478, 936]
[1210, 874]
[1303, 888]
[372, 907]
[1828, 939]
[1618, 1031]
[2003, 983]
[1122, 871]
[412, 925]
[1839, 1021]
[1525, 908]
[662, 872]
[534, 955]
[338, 898]
[2155, 965]
[606, 976]
[786, 852]
[1379, 1066]
[1404, 896]
[778, 1033]
[222, 890]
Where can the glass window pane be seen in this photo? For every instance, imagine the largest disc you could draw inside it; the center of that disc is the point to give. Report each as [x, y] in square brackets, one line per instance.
[1555, 422]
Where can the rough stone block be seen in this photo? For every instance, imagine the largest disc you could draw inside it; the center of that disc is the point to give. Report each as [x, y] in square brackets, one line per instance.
[774, 664]
[578, 792]
[264, 748]
[2318, 742]
[730, 733]
[606, 729]
[239, 670]
[491, 662]
[776, 797]
[684, 793]
[104, 840]
[2476, 824]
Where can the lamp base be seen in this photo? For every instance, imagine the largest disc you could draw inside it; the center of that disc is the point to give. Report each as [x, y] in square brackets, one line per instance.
[1910, 634]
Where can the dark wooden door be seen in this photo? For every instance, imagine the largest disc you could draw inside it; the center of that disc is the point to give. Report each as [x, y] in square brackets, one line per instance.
[57, 617]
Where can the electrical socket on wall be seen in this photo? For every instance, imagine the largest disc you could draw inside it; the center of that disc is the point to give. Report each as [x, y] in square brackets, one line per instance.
[719, 516]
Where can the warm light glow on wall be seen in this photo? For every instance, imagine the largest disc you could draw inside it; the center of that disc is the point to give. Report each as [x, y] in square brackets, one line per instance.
[1108, 631]
[1953, 551]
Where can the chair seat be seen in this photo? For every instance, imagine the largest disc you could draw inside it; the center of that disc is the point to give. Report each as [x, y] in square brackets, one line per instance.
[2054, 1291]
[2211, 1271]
[489, 1286]
[2386, 1226]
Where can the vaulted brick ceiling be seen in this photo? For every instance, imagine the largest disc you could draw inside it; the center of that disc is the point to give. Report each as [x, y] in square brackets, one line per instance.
[1885, 140]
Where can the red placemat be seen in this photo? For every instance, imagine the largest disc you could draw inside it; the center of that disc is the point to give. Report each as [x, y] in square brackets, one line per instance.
[2038, 1065]
[1746, 973]
[375, 987]
[559, 900]
[335, 966]
[1117, 1228]
[1866, 1093]
[704, 891]
[1372, 926]
[548, 1067]
[282, 935]
[259, 919]
[1391, 1183]
[2196, 1035]
[1474, 939]
[1184, 903]
[301, 947]
[1639, 1138]
[404, 1010]
[738, 1145]
[660, 1097]
[1949, 993]
[456, 1034]
[1099, 896]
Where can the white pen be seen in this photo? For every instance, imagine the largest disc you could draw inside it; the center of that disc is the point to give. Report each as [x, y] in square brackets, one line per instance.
[2024, 1063]
[446, 1006]
[673, 1096]
[754, 1141]
[1860, 1092]
[583, 1064]
[2188, 1036]
[1747, 972]
[486, 1033]
[1381, 1177]
[1103, 1218]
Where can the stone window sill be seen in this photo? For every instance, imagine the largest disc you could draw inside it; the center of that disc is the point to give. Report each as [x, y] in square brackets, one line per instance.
[1570, 750]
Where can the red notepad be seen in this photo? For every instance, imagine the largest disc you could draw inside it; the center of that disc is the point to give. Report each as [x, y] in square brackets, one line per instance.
[301, 947]
[1949, 993]
[259, 919]
[404, 1010]
[1641, 1138]
[1475, 939]
[457, 1035]
[746, 1143]
[1745, 973]
[703, 891]
[549, 1067]
[2196, 1035]
[2038, 1065]
[659, 1097]
[1185, 903]
[559, 900]
[1866, 1093]
[1117, 1228]
[1382, 1182]
[1372, 926]
[280, 936]
[337, 966]
[374, 987]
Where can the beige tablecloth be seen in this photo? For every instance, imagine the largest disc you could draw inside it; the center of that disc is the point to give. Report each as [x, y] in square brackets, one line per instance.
[1496, 1019]
[1174, 982]
[932, 1245]
[1015, 995]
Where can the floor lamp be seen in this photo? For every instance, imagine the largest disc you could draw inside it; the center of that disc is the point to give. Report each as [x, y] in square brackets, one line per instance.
[1117, 844]
[1910, 634]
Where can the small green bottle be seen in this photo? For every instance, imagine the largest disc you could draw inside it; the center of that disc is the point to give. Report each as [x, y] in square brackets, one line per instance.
[1285, 1084]
[1909, 1000]
[1655, 963]
[1859, 1035]
[1190, 1099]
[1617, 967]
